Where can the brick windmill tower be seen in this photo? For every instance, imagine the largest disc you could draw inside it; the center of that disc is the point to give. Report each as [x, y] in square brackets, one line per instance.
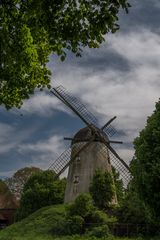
[90, 150]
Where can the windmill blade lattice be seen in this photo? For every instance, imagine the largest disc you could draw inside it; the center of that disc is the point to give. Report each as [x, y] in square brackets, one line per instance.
[79, 108]
[123, 171]
[75, 105]
[66, 158]
[109, 130]
[125, 175]
[59, 164]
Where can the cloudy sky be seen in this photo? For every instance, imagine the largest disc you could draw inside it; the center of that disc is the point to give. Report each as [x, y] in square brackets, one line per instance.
[120, 78]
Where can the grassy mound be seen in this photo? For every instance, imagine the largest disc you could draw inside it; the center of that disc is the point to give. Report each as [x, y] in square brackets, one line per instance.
[39, 225]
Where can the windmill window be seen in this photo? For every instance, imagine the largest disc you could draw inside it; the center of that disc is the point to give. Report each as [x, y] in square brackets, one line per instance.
[76, 183]
[77, 160]
[76, 180]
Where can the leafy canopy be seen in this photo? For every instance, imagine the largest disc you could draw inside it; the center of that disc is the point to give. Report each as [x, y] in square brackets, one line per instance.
[102, 189]
[82, 216]
[146, 163]
[19, 179]
[31, 30]
[41, 190]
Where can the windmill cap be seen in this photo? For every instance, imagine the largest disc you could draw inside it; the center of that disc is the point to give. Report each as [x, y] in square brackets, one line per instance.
[86, 133]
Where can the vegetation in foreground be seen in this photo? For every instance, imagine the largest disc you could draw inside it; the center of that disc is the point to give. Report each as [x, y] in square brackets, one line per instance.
[39, 226]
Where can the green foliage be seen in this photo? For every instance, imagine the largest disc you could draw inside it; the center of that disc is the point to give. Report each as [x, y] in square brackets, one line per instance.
[146, 163]
[31, 30]
[39, 225]
[102, 189]
[19, 178]
[82, 206]
[36, 225]
[82, 216]
[99, 232]
[40, 190]
[78, 214]
[75, 225]
[134, 210]
[98, 217]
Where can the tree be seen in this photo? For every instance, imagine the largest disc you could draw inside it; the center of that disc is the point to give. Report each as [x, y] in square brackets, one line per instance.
[146, 162]
[133, 209]
[41, 190]
[32, 30]
[19, 178]
[102, 189]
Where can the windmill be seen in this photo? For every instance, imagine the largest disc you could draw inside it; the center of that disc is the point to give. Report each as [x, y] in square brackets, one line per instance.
[90, 149]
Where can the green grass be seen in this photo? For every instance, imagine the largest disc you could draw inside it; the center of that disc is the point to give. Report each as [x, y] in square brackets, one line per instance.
[36, 226]
[39, 225]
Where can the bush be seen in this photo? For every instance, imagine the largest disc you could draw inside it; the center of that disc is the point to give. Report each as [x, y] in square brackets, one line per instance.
[99, 232]
[102, 189]
[99, 216]
[84, 217]
[82, 206]
[40, 190]
[75, 225]
[59, 228]
[134, 210]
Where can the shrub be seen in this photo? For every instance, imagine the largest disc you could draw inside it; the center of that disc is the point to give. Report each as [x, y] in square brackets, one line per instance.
[75, 225]
[102, 189]
[59, 228]
[82, 206]
[99, 232]
[40, 190]
[83, 216]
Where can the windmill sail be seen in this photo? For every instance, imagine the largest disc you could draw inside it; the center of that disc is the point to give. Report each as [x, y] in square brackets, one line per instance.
[90, 120]
[77, 107]
[109, 130]
[124, 173]
[58, 166]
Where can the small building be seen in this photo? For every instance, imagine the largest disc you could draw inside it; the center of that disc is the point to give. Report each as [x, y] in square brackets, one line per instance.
[8, 206]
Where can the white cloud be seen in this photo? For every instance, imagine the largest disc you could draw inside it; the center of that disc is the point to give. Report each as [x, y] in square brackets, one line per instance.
[53, 145]
[41, 103]
[140, 47]
[130, 94]
[11, 137]
[46, 151]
